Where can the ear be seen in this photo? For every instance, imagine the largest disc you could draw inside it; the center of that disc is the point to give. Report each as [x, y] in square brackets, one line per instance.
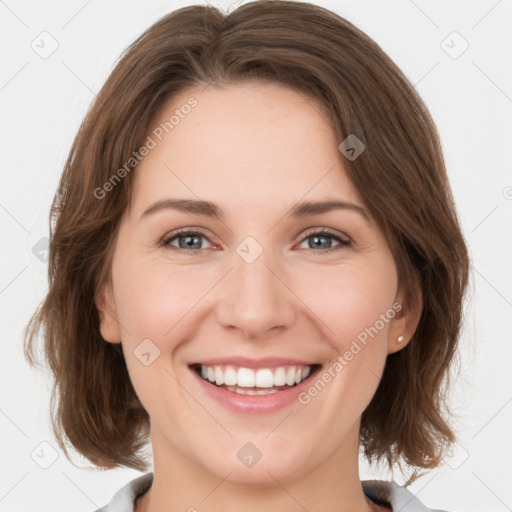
[405, 322]
[109, 326]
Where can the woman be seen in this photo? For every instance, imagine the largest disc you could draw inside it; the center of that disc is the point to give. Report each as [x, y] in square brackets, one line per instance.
[255, 264]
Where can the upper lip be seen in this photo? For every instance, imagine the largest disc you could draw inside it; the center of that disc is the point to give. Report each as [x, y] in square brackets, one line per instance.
[246, 362]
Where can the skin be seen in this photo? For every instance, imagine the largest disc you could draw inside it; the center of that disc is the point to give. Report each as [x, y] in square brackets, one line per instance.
[254, 149]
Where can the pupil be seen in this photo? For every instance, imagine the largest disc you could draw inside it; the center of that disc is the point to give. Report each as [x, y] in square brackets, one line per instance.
[189, 242]
[317, 237]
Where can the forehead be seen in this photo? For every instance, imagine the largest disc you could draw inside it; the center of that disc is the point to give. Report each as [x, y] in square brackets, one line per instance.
[251, 141]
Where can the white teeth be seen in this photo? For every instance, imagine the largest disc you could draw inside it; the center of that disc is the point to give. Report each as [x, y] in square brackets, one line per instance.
[230, 376]
[241, 391]
[219, 376]
[245, 377]
[280, 377]
[264, 378]
[249, 378]
[290, 376]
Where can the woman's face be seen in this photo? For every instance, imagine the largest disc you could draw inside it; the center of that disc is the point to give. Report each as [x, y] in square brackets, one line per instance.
[256, 280]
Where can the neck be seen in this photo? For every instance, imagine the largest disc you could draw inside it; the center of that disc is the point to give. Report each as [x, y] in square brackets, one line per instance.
[180, 484]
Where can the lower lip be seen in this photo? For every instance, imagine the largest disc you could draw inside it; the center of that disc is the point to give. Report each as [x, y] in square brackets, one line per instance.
[254, 404]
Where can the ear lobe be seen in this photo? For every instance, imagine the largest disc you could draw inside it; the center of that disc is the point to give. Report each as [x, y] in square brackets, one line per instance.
[109, 326]
[405, 324]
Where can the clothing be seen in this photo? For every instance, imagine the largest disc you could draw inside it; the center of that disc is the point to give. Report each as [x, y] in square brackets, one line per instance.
[400, 498]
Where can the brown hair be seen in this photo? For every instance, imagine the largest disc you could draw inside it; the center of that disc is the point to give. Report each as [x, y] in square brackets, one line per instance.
[401, 177]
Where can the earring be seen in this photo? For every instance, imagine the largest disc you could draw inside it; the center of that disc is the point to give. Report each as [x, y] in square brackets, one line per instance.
[400, 339]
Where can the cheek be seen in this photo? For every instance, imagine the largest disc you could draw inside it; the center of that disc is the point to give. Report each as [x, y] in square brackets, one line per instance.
[151, 299]
[354, 305]
[349, 298]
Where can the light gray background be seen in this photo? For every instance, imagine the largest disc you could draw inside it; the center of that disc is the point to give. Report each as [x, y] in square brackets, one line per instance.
[43, 101]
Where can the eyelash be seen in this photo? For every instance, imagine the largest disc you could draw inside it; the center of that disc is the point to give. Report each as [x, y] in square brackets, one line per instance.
[344, 242]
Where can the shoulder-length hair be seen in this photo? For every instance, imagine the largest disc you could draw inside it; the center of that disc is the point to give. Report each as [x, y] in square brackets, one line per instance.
[401, 177]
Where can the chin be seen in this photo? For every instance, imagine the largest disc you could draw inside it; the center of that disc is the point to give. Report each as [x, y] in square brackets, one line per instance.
[264, 472]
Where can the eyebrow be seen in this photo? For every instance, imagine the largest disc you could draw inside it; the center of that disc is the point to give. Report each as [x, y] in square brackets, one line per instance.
[210, 209]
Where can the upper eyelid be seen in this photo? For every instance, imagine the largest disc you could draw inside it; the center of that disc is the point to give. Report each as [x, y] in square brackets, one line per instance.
[325, 230]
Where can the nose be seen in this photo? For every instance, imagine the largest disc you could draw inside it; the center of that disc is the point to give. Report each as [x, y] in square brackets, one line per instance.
[255, 299]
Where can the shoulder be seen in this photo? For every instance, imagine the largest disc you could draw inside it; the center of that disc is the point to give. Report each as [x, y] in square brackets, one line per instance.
[400, 498]
[124, 498]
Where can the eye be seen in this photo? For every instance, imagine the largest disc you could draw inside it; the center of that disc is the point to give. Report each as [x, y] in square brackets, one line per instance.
[187, 241]
[190, 241]
[321, 236]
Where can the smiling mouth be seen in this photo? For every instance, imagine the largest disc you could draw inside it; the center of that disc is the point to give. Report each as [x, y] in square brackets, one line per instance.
[264, 381]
